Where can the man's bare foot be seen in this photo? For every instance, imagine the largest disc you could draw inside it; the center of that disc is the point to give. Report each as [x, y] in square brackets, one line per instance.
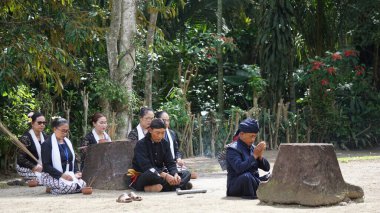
[153, 188]
[194, 175]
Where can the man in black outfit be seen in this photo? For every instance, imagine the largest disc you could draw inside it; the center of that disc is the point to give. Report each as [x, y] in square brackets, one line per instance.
[154, 164]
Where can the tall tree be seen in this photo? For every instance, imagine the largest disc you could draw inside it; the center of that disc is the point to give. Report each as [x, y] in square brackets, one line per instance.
[276, 48]
[121, 56]
[153, 13]
[168, 9]
[220, 61]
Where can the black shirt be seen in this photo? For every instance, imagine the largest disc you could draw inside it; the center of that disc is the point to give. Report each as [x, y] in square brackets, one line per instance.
[47, 161]
[23, 159]
[154, 156]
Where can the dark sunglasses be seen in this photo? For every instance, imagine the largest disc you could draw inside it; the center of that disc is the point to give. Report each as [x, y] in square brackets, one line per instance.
[41, 122]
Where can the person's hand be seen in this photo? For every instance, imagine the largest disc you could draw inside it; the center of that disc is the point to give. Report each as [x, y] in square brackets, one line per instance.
[170, 179]
[177, 179]
[259, 150]
[37, 168]
[78, 175]
[67, 177]
[180, 162]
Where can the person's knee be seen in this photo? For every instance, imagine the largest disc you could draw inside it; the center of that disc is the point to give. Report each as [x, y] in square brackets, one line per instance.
[246, 176]
[185, 174]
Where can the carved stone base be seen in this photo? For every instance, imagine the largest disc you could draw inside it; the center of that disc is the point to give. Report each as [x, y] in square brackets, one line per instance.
[107, 163]
[307, 174]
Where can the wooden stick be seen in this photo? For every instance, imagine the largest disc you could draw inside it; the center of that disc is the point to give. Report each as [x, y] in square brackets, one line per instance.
[15, 141]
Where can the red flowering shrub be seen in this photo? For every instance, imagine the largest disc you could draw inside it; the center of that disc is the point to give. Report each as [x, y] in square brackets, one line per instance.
[332, 81]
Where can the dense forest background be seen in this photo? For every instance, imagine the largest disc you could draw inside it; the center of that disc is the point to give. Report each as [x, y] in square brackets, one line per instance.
[308, 70]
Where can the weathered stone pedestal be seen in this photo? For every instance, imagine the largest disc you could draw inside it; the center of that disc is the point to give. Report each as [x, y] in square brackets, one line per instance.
[307, 174]
[107, 163]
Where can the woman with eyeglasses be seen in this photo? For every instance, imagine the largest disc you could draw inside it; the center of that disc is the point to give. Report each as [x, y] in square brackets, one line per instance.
[60, 170]
[146, 116]
[26, 167]
[97, 135]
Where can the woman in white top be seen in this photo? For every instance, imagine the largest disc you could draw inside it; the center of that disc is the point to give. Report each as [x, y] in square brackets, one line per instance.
[60, 170]
[97, 135]
[26, 166]
[146, 116]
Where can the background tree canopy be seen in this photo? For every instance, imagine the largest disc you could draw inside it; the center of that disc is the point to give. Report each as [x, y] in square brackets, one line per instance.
[308, 70]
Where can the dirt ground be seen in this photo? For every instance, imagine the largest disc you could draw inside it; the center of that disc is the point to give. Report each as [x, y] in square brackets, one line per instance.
[364, 173]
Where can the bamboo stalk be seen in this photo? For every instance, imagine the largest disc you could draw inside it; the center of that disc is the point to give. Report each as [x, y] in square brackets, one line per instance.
[229, 131]
[200, 134]
[16, 142]
[285, 118]
[278, 116]
[270, 130]
[191, 150]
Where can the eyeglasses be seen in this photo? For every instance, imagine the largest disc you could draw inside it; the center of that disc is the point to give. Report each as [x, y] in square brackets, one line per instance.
[64, 130]
[148, 118]
[41, 122]
[166, 120]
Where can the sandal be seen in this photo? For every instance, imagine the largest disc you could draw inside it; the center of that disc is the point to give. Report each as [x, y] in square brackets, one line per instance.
[134, 196]
[124, 198]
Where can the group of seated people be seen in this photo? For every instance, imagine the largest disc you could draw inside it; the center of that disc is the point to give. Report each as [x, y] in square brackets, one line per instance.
[57, 169]
[156, 165]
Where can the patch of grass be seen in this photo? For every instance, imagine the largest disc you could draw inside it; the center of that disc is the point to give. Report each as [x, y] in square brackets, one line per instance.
[3, 185]
[348, 159]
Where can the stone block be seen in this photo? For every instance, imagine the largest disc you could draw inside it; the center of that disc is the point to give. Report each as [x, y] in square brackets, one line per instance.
[307, 174]
[107, 163]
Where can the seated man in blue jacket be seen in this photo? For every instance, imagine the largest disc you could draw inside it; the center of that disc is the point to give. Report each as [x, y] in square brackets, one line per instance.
[244, 160]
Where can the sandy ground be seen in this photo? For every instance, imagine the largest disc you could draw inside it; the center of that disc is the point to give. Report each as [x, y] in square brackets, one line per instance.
[365, 173]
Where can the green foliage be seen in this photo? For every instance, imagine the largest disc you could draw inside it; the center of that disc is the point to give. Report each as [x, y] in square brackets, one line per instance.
[276, 47]
[341, 98]
[14, 108]
[175, 106]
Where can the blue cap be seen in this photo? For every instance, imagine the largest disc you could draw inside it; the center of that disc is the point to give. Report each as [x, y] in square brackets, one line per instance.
[249, 125]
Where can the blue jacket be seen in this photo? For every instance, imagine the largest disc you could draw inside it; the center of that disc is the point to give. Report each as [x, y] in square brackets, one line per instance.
[240, 160]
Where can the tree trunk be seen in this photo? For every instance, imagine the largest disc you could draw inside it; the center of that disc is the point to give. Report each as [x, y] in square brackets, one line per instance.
[153, 12]
[127, 61]
[112, 37]
[85, 110]
[220, 63]
[200, 135]
[278, 116]
[320, 24]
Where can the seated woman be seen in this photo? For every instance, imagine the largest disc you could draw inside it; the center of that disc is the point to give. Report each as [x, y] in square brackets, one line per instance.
[146, 116]
[173, 139]
[97, 135]
[26, 167]
[60, 171]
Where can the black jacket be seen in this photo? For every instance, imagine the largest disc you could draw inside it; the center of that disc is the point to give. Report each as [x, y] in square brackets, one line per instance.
[144, 158]
[176, 143]
[24, 160]
[88, 140]
[133, 135]
[48, 162]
